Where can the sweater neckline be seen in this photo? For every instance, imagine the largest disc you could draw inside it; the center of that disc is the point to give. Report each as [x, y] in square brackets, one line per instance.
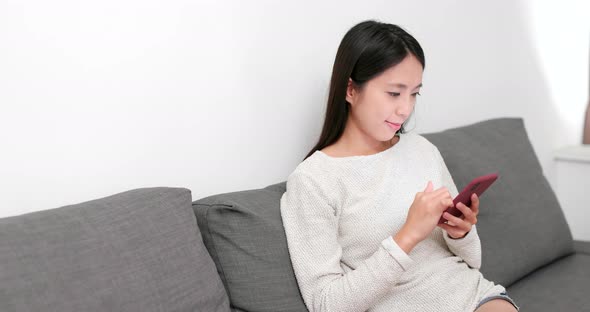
[365, 157]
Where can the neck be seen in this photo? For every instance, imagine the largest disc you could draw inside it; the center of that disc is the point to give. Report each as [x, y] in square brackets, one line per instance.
[356, 142]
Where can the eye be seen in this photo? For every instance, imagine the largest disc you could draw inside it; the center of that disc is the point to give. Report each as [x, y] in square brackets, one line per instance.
[415, 94]
[394, 93]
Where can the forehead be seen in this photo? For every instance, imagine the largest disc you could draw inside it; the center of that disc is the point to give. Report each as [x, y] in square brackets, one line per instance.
[407, 72]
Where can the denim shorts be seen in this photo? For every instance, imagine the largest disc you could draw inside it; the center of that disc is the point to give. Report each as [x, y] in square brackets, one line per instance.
[502, 295]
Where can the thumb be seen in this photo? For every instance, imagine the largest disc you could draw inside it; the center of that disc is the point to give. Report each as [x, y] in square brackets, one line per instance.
[429, 187]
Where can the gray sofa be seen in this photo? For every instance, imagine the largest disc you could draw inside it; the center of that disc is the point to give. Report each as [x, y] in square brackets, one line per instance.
[155, 249]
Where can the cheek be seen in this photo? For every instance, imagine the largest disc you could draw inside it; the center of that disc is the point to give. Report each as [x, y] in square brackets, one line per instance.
[384, 106]
[375, 108]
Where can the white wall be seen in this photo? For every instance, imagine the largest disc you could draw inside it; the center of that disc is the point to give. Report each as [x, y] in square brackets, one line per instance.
[99, 97]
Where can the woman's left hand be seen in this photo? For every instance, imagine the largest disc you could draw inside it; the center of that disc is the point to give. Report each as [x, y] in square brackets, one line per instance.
[458, 227]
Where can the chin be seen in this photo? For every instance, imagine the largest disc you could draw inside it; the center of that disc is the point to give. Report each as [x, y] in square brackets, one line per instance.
[386, 138]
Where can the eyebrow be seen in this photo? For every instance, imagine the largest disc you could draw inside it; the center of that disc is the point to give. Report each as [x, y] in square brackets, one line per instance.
[403, 86]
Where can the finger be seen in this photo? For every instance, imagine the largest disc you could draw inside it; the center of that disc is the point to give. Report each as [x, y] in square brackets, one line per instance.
[429, 187]
[446, 227]
[441, 192]
[475, 203]
[454, 220]
[437, 196]
[464, 209]
[451, 230]
[440, 195]
[467, 213]
[445, 203]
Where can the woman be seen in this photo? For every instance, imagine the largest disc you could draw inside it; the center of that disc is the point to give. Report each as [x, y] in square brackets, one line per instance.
[361, 211]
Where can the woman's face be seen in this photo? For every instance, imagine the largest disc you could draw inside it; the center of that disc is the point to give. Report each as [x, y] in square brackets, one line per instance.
[387, 100]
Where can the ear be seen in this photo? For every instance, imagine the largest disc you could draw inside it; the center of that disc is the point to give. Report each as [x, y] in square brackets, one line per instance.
[350, 92]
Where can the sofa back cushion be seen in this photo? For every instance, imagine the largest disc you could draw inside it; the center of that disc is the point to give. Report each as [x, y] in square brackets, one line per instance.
[139, 250]
[520, 223]
[244, 234]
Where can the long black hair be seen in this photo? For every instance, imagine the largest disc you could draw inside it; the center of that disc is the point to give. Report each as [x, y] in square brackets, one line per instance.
[366, 50]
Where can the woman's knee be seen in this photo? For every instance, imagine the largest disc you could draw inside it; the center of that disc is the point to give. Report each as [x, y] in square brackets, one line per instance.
[496, 305]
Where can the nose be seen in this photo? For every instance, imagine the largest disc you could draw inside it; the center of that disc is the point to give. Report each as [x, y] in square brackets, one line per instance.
[405, 107]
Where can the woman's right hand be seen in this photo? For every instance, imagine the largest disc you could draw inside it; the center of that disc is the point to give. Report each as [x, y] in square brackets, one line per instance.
[423, 216]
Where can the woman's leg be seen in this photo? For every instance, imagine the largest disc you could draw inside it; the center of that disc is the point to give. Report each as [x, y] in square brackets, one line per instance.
[496, 305]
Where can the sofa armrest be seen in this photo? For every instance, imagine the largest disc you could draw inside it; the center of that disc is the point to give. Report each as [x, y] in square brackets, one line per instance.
[582, 247]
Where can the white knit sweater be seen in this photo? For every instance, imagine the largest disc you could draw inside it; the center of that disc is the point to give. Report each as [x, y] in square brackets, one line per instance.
[340, 214]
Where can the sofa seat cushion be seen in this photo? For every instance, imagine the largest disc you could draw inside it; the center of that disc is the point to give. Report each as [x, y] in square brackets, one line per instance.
[520, 222]
[138, 250]
[560, 286]
[582, 247]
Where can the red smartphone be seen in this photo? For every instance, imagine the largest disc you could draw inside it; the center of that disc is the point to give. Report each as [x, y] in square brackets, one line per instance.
[477, 186]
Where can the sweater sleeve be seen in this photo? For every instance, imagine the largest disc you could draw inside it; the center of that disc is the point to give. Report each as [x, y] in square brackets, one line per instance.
[467, 248]
[311, 227]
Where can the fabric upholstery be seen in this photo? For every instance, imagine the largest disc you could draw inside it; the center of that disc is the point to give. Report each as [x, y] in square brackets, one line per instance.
[521, 224]
[138, 250]
[560, 286]
[244, 232]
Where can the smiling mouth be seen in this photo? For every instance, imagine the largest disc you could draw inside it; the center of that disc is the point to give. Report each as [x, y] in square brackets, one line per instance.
[393, 123]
